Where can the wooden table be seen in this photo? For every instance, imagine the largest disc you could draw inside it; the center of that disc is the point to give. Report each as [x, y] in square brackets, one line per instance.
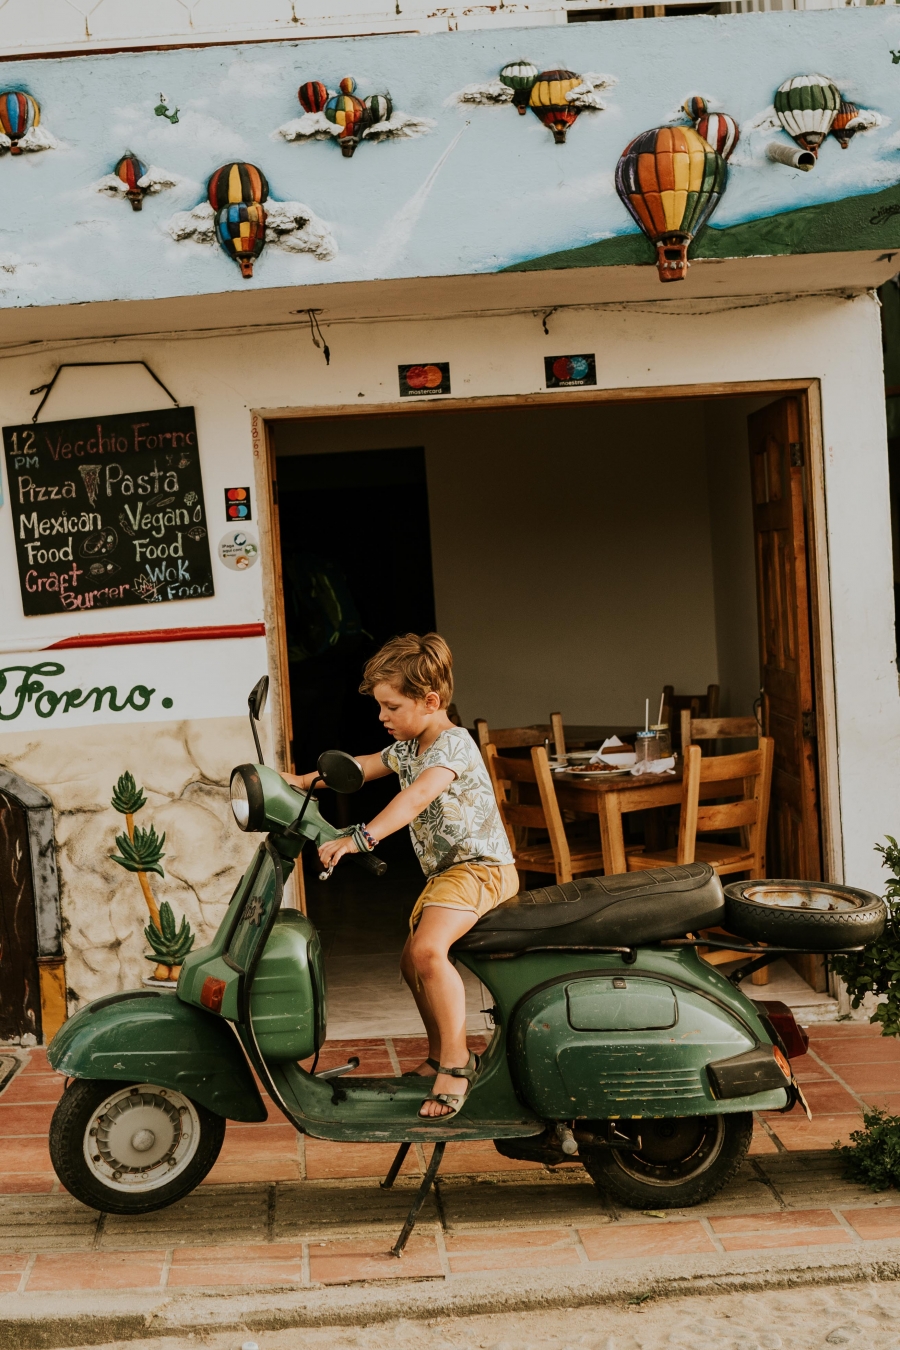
[612, 797]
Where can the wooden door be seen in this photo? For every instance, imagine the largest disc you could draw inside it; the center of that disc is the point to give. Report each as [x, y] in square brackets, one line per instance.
[20, 996]
[777, 459]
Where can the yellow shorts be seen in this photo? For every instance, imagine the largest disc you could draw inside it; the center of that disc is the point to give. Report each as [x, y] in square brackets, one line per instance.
[479, 887]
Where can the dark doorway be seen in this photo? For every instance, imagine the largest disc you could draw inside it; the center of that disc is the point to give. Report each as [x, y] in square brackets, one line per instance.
[20, 995]
[356, 569]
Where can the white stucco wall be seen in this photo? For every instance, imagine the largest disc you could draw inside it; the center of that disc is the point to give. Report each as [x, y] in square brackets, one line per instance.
[677, 343]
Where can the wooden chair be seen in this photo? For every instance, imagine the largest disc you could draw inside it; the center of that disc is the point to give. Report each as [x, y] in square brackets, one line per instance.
[749, 813]
[698, 705]
[564, 860]
[507, 738]
[695, 729]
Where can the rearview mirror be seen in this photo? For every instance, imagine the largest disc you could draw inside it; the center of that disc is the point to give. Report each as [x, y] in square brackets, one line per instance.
[258, 696]
[340, 771]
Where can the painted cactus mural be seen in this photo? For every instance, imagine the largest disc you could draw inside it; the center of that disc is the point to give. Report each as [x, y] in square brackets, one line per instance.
[141, 852]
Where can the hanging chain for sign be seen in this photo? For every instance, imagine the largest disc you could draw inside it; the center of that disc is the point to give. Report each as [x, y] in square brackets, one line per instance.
[47, 388]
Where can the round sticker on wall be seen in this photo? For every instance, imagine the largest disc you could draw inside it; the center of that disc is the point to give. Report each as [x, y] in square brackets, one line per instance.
[238, 550]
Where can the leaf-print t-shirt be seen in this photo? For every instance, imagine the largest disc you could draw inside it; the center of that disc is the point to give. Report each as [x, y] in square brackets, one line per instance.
[463, 823]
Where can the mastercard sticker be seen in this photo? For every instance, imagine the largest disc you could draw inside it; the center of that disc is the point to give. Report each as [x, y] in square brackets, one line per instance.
[427, 378]
[570, 372]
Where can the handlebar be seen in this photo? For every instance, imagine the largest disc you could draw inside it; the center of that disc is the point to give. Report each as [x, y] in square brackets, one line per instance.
[372, 864]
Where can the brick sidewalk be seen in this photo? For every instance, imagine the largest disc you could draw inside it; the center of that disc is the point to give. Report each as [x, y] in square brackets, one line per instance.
[279, 1209]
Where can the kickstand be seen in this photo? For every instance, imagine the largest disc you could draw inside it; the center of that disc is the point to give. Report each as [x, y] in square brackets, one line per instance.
[430, 1174]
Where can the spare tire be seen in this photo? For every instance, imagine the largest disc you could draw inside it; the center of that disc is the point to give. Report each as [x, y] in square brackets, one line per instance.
[813, 916]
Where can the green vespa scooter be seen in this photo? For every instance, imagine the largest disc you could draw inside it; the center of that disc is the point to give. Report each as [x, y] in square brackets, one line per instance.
[614, 1042]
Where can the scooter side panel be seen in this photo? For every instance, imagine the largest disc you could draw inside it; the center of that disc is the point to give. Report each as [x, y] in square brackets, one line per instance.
[150, 1036]
[575, 1054]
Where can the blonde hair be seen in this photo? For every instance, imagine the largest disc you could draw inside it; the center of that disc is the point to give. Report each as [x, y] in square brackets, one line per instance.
[414, 666]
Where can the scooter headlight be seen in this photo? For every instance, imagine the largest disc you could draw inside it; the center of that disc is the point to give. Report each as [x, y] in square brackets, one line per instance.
[247, 799]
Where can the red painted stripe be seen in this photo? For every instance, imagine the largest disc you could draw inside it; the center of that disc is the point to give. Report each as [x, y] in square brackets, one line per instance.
[234, 630]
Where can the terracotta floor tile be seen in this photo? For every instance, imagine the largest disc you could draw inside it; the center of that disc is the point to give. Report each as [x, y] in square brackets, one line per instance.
[798, 1133]
[370, 1259]
[871, 1050]
[765, 1223]
[762, 1143]
[239, 1251]
[799, 1237]
[885, 1101]
[511, 1261]
[875, 1223]
[872, 1077]
[35, 1087]
[819, 1031]
[481, 1156]
[625, 1241]
[9, 1284]
[13, 1262]
[27, 1183]
[260, 1141]
[225, 1274]
[472, 1244]
[95, 1270]
[24, 1155]
[806, 1070]
[828, 1099]
[31, 1119]
[37, 1063]
[324, 1159]
[248, 1169]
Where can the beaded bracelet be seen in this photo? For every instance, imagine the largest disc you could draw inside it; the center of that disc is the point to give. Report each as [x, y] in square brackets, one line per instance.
[369, 838]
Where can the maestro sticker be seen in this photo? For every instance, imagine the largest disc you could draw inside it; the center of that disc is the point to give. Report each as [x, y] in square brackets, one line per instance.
[570, 372]
[238, 550]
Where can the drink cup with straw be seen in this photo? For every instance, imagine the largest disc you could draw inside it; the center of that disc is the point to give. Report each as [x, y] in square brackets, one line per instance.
[663, 736]
[646, 743]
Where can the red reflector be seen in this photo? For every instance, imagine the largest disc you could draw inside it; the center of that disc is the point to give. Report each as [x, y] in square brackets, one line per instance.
[779, 1060]
[796, 1040]
[212, 993]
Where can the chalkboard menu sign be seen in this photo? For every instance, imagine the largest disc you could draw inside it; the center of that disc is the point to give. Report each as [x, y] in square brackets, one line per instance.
[108, 511]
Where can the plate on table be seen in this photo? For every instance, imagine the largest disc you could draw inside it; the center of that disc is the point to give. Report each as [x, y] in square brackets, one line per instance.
[580, 756]
[593, 774]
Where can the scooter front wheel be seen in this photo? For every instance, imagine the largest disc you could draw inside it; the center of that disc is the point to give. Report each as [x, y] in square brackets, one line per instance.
[675, 1162]
[129, 1148]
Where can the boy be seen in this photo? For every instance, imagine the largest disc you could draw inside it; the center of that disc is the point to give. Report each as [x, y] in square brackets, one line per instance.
[448, 803]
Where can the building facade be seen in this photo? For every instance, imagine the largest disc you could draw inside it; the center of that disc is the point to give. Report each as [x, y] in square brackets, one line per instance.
[583, 365]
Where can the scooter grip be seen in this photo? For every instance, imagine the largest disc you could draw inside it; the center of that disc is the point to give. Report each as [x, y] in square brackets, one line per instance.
[370, 862]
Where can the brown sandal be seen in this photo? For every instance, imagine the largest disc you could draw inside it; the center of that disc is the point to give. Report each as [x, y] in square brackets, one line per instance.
[454, 1100]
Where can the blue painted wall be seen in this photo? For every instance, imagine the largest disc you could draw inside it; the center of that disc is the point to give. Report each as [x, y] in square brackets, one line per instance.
[484, 190]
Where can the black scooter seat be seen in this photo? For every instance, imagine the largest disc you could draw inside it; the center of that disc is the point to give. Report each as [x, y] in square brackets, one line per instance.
[628, 910]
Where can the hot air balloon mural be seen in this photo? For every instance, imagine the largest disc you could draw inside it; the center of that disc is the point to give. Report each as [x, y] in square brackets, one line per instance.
[806, 107]
[349, 114]
[344, 116]
[519, 76]
[234, 217]
[236, 193]
[20, 123]
[671, 180]
[556, 97]
[132, 180]
[847, 123]
[717, 128]
[130, 171]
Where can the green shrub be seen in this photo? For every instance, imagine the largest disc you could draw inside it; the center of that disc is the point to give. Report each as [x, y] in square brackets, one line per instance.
[873, 1154]
[876, 969]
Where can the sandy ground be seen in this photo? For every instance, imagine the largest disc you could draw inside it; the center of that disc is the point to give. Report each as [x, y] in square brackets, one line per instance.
[859, 1316]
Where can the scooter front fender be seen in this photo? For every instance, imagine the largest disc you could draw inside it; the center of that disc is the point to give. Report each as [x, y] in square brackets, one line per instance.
[150, 1036]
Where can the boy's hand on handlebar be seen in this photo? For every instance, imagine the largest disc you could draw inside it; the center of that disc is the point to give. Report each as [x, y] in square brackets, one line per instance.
[334, 850]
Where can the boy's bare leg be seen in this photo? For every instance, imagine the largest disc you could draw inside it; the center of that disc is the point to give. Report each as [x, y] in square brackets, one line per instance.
[417, 989]
[445, 995]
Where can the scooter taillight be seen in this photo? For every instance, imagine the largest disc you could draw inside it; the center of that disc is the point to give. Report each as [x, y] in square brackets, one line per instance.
[212, 993]
[796, 1041]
